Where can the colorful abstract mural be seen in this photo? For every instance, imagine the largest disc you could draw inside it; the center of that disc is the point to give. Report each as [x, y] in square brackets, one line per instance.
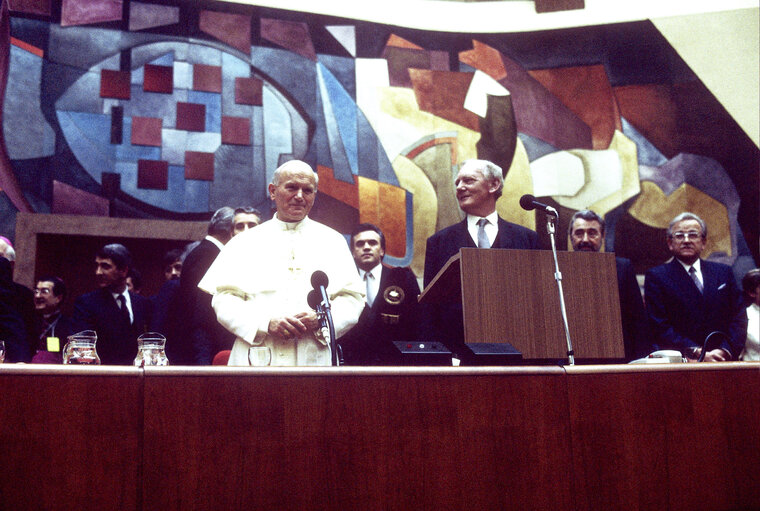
[166, 110]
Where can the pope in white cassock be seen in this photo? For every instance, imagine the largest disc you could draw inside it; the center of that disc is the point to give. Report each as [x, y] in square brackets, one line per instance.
[261, 279]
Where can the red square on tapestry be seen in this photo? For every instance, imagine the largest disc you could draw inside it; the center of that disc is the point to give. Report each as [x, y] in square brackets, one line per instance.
[248, 91]
[152, 174]
[207, 78]
[236, 130]
[158, 79]
[146, 131]
[199, 165]
[191, 116]
[114, 84]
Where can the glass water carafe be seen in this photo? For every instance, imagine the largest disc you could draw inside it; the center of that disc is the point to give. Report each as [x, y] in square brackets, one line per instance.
[80, 349]
[151, 350]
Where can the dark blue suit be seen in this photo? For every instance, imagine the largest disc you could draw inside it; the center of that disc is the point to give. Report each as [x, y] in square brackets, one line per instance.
[681, 317]
[117, 339]
[447, 242]
[447, 322]
[370, 341]
[633, 316]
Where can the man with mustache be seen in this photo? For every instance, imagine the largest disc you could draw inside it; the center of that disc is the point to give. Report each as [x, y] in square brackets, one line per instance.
[586, 232]
[688, 298]
[53, 326]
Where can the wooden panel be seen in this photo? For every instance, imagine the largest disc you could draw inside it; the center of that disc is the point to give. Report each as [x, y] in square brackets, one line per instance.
[511, 295]
[65, 245]
[681, 437]
[356, 439]
[70, 437]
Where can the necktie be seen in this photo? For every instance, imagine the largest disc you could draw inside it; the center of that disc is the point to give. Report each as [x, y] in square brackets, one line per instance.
[370, 294]
[693, 273]
[482, 237]
[123, 307]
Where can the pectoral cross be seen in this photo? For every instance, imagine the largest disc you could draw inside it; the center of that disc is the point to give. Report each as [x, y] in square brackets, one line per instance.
[293, 268]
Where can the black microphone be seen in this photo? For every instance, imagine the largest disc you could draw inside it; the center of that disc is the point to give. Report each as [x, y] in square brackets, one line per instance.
[529, 203]
[313, 299]
[319, 282]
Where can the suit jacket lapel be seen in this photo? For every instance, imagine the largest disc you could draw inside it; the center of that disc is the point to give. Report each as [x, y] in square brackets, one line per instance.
[684, 282]
[465, 240]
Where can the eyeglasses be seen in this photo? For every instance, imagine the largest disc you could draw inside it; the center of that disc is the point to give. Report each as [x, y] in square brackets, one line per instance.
[42, 291]
[681, 236]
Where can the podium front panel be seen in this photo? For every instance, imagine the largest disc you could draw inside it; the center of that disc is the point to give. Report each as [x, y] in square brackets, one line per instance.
[512, 296]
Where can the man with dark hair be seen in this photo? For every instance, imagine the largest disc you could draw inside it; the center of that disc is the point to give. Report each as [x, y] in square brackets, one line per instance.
[53, 327]
[479, 185]
[117, 315]
[245, 218]
[586, 233]
[173, 264]
[194, 334]
[391, 309]
[689, 298]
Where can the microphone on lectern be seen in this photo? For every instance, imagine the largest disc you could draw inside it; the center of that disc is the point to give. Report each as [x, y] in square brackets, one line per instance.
[529, 203]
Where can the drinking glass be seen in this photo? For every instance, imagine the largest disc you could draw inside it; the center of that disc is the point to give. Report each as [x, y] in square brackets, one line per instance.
[259, 356]
[2, 352]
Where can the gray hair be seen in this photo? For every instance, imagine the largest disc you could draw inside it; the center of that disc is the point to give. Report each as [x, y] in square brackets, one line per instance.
[294, 166]
[490, 171]
[221, 222]
[587, 215]
[687, 216]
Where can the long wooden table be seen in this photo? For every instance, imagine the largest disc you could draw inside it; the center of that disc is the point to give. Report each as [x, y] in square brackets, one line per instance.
[581, 437]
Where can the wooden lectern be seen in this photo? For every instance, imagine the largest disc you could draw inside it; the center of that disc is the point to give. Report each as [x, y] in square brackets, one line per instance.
[511, 296]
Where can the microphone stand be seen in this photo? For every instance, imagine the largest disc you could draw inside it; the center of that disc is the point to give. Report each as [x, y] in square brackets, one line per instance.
[558, 277]
[326, 321]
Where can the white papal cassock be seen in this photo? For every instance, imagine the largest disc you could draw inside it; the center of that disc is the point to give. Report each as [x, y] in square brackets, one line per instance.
[265, 272]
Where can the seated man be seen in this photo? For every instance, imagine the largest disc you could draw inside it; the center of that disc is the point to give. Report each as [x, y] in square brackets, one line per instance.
[689, 298]
[390, 312]
[53, 326]
[586, 233]
[117, 315]
[262, 278]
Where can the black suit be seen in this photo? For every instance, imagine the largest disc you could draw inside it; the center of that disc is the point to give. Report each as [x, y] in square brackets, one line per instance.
[681, 317]
[441, 246]
[391, 318]
[19, 298]
[196, 334]
[633, 316]
[117, 339]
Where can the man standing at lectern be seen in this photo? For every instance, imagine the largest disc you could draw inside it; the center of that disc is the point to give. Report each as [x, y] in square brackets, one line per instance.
[262, 278]
[479, 185]
[688, 298]
[586, 232]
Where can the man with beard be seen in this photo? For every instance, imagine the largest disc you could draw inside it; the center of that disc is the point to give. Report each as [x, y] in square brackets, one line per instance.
[586, 233]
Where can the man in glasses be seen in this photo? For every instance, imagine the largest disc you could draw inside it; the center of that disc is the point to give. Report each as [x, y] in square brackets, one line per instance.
[689, 298]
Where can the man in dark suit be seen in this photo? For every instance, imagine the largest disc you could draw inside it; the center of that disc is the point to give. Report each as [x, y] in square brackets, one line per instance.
[586, 232]
[689, 298]
[479, 184]
[195, 334]
[117, 315]
[391, 309]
